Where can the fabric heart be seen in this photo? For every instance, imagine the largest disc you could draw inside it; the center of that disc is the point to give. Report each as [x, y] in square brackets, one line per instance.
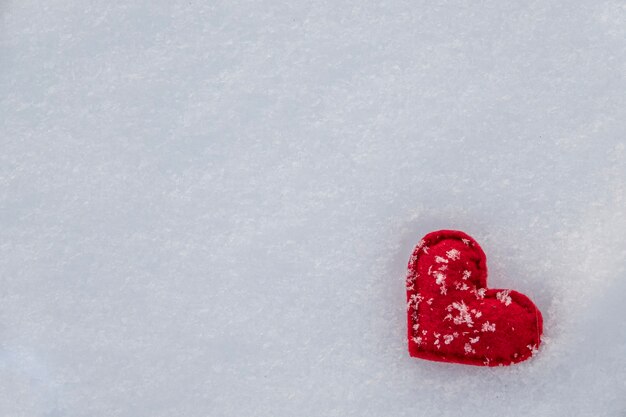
[454, 317]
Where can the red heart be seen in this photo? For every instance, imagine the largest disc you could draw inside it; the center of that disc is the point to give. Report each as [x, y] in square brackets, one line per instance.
[453, 317]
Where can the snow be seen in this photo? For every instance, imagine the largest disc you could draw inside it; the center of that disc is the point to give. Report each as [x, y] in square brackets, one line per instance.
[206, 208]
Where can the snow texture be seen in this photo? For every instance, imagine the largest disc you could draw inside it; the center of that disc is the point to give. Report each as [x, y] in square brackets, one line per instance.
[207, 208]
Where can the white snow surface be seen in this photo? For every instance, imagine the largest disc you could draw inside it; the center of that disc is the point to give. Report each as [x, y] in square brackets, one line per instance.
[206, 208]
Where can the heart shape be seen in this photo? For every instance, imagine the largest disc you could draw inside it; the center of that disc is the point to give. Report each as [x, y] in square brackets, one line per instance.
[454, 317]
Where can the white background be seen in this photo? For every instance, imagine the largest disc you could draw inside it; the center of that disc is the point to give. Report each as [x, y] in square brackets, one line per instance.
[206, 208]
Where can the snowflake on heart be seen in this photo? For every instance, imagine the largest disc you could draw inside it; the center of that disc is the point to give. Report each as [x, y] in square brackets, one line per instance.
[454, 317]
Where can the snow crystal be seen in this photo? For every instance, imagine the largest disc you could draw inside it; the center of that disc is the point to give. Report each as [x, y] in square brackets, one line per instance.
[453, 254]
[504, 297]
[414, 301]
[464, 316]
[439, 278]
[480, 293]
[439, 259]
[410, 280]
[488, 327]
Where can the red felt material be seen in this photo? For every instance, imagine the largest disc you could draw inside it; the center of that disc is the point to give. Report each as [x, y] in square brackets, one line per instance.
[454, 317]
